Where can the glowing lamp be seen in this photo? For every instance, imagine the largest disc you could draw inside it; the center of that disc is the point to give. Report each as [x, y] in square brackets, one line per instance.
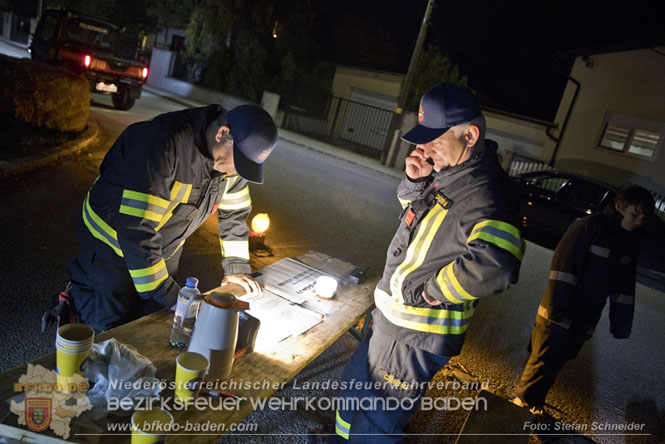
[325, 287]
[86, 61]
[260, 223]
[257, 237]
[144, 73]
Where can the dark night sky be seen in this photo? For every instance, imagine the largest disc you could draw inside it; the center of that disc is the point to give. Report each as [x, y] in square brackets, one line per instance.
[506, 47]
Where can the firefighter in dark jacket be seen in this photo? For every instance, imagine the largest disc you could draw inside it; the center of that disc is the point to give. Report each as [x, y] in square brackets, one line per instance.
[456, 243]
[595, 260]
[158, 183]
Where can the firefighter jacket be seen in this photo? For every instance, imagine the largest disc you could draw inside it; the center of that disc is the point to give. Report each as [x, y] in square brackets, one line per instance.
[457, 242]
[157, 186]
[595, 260]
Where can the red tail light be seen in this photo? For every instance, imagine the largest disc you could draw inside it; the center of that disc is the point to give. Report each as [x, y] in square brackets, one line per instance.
[86, 61]
[144, 73]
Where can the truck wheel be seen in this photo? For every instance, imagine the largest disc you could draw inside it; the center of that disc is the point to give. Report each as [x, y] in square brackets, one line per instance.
[122, 100]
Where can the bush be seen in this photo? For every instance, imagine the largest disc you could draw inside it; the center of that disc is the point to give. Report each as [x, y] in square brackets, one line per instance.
[42, 95]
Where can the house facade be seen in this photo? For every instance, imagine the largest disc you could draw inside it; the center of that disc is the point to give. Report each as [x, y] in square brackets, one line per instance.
[615, 131]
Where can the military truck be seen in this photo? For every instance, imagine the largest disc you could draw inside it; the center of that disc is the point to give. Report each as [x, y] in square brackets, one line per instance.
[89, 46]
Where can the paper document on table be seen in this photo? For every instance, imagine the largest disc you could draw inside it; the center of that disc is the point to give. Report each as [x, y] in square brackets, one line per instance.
[279, 317]
[290, 279]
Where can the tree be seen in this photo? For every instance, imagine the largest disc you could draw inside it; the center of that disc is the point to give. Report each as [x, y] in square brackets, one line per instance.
[242, 43]
[433, 68]
[171, 13]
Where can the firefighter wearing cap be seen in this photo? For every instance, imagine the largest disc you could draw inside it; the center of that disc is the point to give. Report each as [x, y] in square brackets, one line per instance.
[457, 242]
[158, 183]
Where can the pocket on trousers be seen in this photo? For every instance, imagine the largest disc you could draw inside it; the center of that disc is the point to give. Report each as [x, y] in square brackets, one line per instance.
[386, 366]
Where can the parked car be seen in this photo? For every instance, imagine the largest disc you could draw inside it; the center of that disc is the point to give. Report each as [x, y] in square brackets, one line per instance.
[552, 200]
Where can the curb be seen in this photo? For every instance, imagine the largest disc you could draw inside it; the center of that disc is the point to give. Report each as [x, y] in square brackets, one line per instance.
[23, 165]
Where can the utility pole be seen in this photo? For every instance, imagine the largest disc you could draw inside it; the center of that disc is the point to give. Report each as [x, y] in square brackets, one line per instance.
[396, 121]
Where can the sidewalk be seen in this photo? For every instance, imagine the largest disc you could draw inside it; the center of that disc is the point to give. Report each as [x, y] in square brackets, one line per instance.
[48, 153]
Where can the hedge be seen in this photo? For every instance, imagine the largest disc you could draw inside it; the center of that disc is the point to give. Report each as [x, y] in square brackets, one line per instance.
[43, 95]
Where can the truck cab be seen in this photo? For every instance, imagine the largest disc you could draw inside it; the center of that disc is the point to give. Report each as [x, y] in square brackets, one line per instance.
[89, 46]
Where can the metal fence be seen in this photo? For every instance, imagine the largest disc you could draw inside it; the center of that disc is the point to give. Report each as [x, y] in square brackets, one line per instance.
[520, 164]
[354, 125]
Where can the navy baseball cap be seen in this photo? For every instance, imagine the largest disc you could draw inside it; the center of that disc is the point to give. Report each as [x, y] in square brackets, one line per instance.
[442, 107]
[254, 137]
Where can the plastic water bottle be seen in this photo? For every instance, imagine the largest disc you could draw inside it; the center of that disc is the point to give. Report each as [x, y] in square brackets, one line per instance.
[180, 336]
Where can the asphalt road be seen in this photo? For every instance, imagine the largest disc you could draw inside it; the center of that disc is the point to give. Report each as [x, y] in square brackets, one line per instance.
[317, 201]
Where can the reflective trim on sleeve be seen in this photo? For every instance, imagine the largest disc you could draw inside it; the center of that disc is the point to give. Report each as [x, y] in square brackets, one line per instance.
[236, 201]
[450, 286]
[98, 228]
[145, 206]
[624, 299]
[235, 249]
[179, 193]
[501, 234]
[404, 202]
[415, 254]
[543, 312]
[563, 277]
[600, 251]
[430, 320]
[341, 427]
[147, 279]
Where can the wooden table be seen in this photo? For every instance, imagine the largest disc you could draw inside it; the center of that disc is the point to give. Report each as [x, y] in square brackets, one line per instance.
[149, 335]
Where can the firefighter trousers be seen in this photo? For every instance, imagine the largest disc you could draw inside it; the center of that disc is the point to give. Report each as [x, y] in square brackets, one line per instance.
[382, 386]
[102, 288]
[550, 348]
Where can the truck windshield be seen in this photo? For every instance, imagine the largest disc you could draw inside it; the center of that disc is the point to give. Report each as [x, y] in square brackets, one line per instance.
[91, 33]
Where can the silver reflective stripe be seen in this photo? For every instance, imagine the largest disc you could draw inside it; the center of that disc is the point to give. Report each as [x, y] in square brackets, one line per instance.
[544, 313]
[625, 259]
[625, 299]
[600, 251]
[563, 276]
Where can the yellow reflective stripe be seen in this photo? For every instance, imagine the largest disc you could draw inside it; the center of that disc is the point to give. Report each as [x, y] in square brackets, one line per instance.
[98, 222]
[236, 206]
[417, 250]
[143, 272]
[236, 201]
[442, 279]
[403, 202]
[461, 291]
[501, 234]
[429, 320]
[138, 212]
[143, 197]
[182, 242]
[179, 193]
[235, 249]
[342, 427]
[236, 195]
[147, 279]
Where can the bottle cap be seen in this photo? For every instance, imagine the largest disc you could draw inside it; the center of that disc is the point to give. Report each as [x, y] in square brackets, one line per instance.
[192, 282]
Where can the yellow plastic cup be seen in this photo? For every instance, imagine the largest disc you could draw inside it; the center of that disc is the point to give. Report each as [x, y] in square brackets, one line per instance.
[72, 344]
[189, 372]
[151, 426]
